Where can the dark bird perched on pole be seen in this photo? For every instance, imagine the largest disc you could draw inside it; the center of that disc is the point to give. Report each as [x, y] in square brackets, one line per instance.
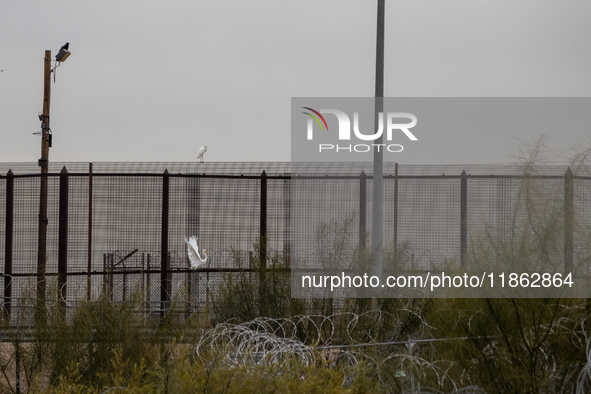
[63, 53]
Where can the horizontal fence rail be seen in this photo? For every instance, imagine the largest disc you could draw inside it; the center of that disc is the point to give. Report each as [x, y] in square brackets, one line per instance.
[118, 229]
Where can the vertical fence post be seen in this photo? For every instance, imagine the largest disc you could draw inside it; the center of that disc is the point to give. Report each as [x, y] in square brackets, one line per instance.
[89, 231]
[396, 206]
[569, 214]
[250, 266]
[263, 227]
[165, 263]
[62, 263]
[148, 292]
[142, 277]
[8, 243]
[463, 218]
[42, 246]
[111, 276]
[189, 295]
[362, 210]
[104, 273]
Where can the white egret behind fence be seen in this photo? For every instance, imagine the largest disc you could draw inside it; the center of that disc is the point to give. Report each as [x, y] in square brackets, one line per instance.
[193, 252]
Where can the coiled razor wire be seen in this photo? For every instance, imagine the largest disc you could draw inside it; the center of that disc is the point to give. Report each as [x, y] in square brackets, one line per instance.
[280, 341]
[336, 339]
[243, 345]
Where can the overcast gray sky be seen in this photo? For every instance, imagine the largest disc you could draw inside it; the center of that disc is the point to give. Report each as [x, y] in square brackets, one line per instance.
[155, 80]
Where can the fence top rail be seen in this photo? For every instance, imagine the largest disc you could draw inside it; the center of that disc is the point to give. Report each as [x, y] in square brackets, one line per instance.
[279, 168]
[286, 170]
[291, 176]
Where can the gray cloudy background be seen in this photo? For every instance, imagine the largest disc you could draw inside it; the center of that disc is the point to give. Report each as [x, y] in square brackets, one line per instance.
[155, 80]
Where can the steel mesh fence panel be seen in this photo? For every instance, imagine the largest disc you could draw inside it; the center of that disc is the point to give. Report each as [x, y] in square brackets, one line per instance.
[222, 206]
[78, 226]
[582, 228]
[327, 211]
[491, 210]
[229, 212]
[279, 216]
[391, 207]
[226, 219]
[127, 213]
[429, 220]
[26, 225]
[52, 225]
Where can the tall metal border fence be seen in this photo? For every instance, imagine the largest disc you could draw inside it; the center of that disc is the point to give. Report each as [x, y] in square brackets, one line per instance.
[118, 229]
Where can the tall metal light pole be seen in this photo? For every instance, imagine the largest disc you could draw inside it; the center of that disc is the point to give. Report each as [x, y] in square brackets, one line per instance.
[44, 164]
[377, 237]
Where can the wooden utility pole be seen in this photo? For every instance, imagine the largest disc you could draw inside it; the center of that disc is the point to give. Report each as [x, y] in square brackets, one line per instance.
[44, 164]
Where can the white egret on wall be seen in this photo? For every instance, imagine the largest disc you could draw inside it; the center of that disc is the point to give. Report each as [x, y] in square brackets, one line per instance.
[201, 152]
